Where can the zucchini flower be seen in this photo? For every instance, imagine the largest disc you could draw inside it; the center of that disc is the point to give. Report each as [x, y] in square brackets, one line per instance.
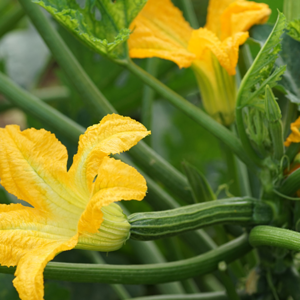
[294, 137]
[68, 209]
[161, 31]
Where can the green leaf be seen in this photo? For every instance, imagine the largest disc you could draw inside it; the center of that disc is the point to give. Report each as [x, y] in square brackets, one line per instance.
[294, 29]
[262, 71]
[103, 25]
[289, 56]
[201, 189]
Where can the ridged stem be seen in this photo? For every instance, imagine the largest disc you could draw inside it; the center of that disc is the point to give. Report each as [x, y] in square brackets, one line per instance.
[146, 274]
[155, 225]
[276, 237]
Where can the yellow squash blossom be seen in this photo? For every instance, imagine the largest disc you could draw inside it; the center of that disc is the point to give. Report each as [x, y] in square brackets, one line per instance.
[68, 209]
[294, 137]
[161, 31]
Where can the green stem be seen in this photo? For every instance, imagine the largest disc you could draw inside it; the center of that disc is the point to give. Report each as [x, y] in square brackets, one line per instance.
[202, 296]
[291, 184]
[230, 288]
[51, 94]
[10, 19]
[289, 116]
[291, 152]
[39, 109]
[146, 274]
[276, 237]
[173, 245]
[148, 95]
[232, 176]
[156, 225]
[149, 253]
[66, 60]
[194, 113]
[189, 12]
[271, 285]
[118, 288]
[155, 165]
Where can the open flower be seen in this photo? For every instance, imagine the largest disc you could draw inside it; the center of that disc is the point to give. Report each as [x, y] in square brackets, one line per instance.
[161, 31]
[73, 208]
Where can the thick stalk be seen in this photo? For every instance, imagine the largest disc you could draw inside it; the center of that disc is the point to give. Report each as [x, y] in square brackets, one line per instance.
[276, 237]
[118, 288]
[156, 225]
[146, 274]
[39, 109]
[219, 131]
[155, 165]
[10, 19]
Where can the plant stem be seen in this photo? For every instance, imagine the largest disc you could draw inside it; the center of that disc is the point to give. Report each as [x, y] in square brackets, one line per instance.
[230, 288]
[189, 13]
[194, 113]
[202, 296]
[154, 164]
[291, 183]
[232, 176]
[39, 109]
[276, 237]
[149, 253]
[118, 288]
[146, 274]
[10, 19]
[148, 96]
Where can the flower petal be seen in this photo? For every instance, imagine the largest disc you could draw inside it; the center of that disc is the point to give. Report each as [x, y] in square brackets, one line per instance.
[161, 31]
[29, 274]
[294, 137]
[29, 239]
[23, 228]
[33, 168]
[115, 181]
[241, 16]
[231, 47]
[214, 12]
[203, 41]
[114, 134]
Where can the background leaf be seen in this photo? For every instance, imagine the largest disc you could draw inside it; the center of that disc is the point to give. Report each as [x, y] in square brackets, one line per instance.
[102, 25]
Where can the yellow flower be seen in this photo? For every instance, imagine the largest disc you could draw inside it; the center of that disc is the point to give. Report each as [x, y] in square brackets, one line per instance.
[73, 208]
[294, 137]
[161, 31]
